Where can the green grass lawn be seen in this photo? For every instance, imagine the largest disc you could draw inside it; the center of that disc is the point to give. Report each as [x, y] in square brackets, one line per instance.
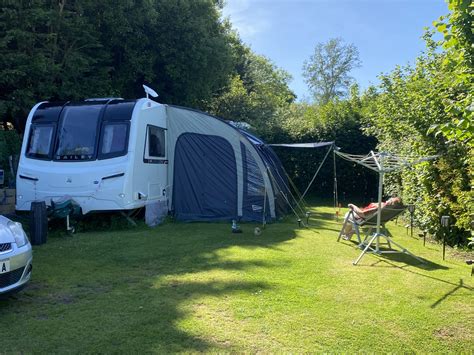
[197, 287]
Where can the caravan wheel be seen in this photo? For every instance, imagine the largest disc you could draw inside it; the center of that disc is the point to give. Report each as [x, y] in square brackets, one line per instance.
[38, 223]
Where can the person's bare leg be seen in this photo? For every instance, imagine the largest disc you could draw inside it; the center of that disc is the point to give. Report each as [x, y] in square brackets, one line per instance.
[348, 228]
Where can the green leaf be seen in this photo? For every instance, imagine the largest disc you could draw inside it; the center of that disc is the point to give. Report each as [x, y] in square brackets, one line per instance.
[432, 128]
[441, 27]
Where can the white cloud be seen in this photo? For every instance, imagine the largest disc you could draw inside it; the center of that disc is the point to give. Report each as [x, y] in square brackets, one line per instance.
[246, 17]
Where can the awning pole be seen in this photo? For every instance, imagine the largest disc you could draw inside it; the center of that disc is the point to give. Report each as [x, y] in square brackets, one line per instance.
[264, 219]
[316, 174]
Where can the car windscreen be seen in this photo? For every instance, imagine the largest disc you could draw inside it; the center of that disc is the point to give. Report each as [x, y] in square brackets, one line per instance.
[77, 132]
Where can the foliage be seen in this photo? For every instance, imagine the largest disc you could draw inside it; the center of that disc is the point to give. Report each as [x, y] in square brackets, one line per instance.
[327, 70]
[10, 145]
[47, 51]
[457, 90]
[338, 121]
[69, 50]
[402, 112]
[257, 93]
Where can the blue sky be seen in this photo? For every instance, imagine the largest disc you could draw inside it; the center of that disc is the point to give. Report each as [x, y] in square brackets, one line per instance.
[386, 32]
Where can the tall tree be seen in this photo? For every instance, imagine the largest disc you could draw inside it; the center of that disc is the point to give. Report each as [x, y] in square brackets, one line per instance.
[257, 92]
[458, 88]
[47, 51]
[70, 50]
[400, 112]
[327, 72]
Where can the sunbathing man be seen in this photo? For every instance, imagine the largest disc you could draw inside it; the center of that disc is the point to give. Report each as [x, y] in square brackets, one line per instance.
[362, 213]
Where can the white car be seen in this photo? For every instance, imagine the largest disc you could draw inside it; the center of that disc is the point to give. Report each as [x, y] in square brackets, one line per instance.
[16, 256]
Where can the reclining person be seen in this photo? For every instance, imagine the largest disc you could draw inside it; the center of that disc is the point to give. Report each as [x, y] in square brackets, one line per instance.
[362, 213]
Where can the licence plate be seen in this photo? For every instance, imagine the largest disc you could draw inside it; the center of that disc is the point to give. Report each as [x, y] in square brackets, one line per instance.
[4, 266]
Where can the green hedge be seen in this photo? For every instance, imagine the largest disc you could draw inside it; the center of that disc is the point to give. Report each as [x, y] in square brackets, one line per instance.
[10, 145]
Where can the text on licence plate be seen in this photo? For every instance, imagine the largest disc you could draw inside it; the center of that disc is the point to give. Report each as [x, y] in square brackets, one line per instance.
[4, 266]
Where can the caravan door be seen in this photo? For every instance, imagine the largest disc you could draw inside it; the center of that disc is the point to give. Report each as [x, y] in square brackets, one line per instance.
[150, 171]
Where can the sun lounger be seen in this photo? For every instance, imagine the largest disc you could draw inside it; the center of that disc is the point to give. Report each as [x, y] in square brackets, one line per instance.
[370, 221]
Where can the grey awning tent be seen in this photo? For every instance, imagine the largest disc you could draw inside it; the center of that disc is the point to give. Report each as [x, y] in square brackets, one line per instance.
[220, 172]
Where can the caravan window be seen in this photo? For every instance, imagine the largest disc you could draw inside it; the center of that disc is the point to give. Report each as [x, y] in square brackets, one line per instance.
[114, 139]
[77, 132]
[155, 143]
[39, 143]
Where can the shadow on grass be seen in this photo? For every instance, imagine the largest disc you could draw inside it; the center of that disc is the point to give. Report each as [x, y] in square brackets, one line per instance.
[409, 260]
[132, 291]
[324, 221]
[428, 265]
[404, 268]
[323, 215]
[445, 296]
[399, 256]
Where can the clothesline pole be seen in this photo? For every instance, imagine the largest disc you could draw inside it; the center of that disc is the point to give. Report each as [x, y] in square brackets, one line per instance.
[336, 202]
[379, 210]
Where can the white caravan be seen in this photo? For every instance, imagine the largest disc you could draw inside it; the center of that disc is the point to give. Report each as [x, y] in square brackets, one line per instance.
[118, 155]
[105, 154]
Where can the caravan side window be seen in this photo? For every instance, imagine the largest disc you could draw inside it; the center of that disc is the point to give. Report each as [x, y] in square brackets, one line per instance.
[114, 140]
[155, 147]
[39, 142]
